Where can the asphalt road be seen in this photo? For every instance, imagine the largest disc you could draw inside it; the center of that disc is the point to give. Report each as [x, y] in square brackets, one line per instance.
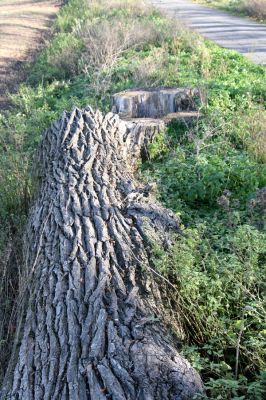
[235, 33]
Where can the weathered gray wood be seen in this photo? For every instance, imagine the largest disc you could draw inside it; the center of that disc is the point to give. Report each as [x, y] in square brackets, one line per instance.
[139, 133]
[154, 103]
[89, 330]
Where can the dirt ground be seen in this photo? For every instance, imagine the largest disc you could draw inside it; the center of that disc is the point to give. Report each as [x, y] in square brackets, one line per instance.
[24, 26]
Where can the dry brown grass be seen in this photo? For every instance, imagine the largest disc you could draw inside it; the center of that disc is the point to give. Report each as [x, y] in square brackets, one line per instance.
[107, 40]
[147, 73]
[254, 133]
[255, 8]
[257, 142]
[105, 43]
[135, 7]
[10, 281]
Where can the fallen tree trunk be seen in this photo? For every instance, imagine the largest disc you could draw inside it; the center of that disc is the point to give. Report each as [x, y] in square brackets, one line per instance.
[91, 327]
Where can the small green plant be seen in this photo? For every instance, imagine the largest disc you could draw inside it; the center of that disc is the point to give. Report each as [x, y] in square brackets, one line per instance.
[218, 264]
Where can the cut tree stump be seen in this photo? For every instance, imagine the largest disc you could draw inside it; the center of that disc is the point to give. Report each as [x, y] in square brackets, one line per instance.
[139, 133]
[155, 103]
[92, 323]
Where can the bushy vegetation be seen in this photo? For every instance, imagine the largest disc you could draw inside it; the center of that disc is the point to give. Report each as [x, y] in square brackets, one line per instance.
[251, 8]
[211, 172]
[255, 8]
[218, 264]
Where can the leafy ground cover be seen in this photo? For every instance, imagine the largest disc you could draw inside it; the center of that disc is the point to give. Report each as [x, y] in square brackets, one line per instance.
[211, 172]
[251, 8]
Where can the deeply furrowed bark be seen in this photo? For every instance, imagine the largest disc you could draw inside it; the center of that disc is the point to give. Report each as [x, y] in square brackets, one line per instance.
[89, 330]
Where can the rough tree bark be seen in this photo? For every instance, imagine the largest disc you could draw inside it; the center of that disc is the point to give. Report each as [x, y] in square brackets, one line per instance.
[90, 328]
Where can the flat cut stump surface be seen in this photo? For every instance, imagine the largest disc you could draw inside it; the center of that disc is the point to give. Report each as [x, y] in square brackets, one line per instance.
[154, 102]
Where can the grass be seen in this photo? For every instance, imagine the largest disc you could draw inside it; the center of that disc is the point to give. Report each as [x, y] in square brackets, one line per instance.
[252, 8]
[211, 172]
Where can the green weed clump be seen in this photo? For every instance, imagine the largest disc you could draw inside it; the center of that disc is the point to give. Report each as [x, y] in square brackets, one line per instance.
[211, 172]
[218, 264]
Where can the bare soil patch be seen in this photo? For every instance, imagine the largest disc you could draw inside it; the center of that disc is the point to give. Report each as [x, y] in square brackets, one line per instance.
[24, 26]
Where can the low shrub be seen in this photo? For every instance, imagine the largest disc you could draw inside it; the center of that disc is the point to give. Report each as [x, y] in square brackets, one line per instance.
[254, 8]
[218, 263]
